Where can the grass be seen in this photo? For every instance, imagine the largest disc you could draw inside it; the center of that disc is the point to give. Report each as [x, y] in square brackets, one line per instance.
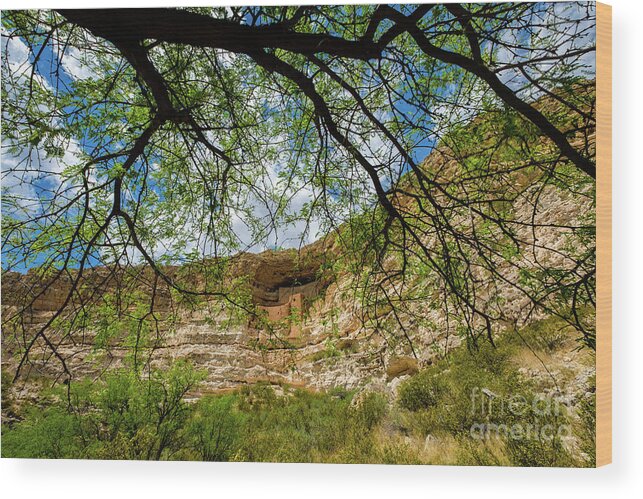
[479, 409]
[469, 408]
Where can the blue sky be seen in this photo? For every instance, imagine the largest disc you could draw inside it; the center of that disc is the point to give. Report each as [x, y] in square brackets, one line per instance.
[60, 72]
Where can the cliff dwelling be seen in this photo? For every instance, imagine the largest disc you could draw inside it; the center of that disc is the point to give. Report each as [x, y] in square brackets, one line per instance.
[283, 288]
[291, 302]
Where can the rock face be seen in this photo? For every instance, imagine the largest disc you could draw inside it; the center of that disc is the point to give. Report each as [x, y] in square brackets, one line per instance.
[290, 306]
[313, 333]
[232, 352]
[309, 331]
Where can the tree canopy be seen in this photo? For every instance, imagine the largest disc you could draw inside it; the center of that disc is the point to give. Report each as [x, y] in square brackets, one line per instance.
[182, 136]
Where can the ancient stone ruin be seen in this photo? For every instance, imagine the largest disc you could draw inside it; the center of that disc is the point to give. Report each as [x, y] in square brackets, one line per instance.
[291, 304]
[284, 285]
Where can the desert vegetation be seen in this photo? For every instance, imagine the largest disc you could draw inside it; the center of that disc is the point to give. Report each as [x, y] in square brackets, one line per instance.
[429, 422]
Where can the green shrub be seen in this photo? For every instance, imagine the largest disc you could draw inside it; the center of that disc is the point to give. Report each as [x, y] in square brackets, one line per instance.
[420, 392]
[298, 428]
[443, 395]
[540, 441]
[479, 400]
[254, 398]
[121, 417]
[214, 428]
[372, 409]
[53, 433]
[548, 334]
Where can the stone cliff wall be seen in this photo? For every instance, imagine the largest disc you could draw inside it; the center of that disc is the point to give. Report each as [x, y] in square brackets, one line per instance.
[322, 345]
[314, 335]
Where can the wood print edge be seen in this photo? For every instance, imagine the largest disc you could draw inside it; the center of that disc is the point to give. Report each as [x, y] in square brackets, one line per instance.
[604, 234]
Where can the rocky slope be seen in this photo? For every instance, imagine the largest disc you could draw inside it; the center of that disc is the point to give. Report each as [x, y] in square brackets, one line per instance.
[326, 345]
[312, 333]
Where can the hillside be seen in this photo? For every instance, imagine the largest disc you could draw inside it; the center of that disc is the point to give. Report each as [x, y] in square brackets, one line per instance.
[304, 324]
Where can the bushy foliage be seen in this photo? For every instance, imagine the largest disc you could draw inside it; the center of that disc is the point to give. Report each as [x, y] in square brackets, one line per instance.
[214, 430]
[129, 418]
[53, 433]
[123, 417]
[496, 416]
[470, 408]
[420, 392]
[548, 334]
[372, 409]
[302, 427]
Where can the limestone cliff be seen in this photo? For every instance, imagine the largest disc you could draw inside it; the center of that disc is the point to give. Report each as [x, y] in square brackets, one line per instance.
[314, 335]
[309, 329]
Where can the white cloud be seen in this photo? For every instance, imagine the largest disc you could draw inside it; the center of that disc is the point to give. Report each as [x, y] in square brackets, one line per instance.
[16, 63]
[562, 28]
[76, 63]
